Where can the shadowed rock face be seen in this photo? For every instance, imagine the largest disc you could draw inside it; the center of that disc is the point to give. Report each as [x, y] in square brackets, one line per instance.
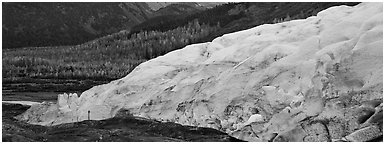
[307, 77]
[71, 23]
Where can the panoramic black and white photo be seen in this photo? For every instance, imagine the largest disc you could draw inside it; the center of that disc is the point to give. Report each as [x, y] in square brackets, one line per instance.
[192, 71]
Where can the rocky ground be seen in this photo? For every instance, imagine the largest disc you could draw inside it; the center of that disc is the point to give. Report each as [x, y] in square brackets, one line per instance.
[119, 129]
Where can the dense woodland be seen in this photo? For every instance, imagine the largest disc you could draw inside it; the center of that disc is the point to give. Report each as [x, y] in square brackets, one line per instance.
[108, 58]
[114, 56]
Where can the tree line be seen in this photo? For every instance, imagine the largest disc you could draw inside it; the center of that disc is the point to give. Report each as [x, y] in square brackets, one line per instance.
[110, 57]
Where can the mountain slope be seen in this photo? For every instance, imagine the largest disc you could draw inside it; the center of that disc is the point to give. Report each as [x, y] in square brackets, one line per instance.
[310, 78]
[158, 5]
[47, 24]
[239, 16]
[182, 9]
[55, 23]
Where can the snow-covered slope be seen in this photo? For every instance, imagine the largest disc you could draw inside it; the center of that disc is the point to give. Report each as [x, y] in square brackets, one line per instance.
[307, 77]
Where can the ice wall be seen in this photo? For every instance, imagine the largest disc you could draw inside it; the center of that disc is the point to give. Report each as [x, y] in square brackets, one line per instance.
[310, 78]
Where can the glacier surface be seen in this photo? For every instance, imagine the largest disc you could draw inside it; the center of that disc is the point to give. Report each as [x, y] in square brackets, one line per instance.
[309, 78]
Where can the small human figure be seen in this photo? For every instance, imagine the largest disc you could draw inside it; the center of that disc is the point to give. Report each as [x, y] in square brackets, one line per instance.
[287, 109]
[89, 115]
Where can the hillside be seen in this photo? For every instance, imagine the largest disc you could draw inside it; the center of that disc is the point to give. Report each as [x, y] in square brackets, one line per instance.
[314, 79]
[239, 16]
[52, 24]
[158, 5]
[57, 24]
[181, 9]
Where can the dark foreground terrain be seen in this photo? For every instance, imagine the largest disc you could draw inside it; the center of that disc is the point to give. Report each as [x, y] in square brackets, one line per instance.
[119, 129]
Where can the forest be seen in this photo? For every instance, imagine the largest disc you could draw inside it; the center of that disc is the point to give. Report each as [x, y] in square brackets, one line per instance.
[107, 58]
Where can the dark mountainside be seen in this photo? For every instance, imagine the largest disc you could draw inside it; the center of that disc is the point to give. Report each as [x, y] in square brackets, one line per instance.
[54, 24]
[49, 24]
[240, 16]
[179, 9]
[158, 5]
[114, 56]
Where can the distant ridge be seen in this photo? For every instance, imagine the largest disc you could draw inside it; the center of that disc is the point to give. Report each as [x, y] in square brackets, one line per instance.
[54, 24]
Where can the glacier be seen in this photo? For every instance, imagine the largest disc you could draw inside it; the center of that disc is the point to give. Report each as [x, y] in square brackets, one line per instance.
[314, 79]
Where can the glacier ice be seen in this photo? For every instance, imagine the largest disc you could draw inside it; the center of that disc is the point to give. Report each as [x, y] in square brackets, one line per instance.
[298, 73]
